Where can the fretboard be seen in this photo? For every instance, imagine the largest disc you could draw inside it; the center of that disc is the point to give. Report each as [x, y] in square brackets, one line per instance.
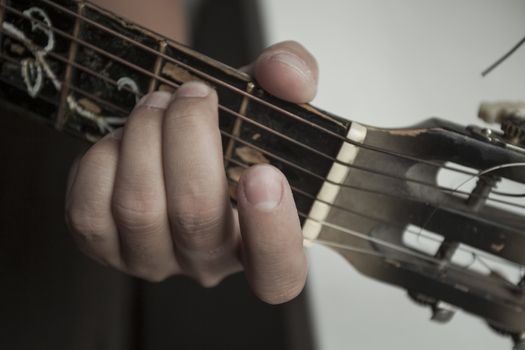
[81, 70]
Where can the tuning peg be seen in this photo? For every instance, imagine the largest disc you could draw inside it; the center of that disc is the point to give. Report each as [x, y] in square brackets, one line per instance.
[519, 343]
[496, 112]
[442, 313]
[511, 117]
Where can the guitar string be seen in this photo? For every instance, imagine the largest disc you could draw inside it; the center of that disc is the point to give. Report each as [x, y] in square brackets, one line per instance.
[308, 195]
[484, 172]
[503, 58]
[354, 212]
[294, 165]
[397, 225]
[347, 186]
[354, 249]
[398, 248]
[295, 190]
[335, 160]
[225, 109]
[326, 223]
[377, 242]
[262, 126]
[76, 89]
[311, 173]
[347, 247]
[208, 77]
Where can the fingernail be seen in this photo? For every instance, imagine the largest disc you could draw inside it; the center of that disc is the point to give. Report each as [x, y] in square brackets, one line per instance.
[263, 187]
[193, 89]
[293, 61]
[157, 99]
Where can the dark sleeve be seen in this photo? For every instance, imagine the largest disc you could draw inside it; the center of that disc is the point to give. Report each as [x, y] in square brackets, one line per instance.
[52, 297]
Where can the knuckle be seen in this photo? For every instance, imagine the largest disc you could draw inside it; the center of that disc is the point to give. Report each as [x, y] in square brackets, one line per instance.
[196, 218]
[87, 227]
[137, 212]
[98, 157]
[191, 111]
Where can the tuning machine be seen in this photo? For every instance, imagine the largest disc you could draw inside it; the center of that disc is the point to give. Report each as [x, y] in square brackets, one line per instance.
[518, 339]
[511, 118]
[441, 311]
[519, 343]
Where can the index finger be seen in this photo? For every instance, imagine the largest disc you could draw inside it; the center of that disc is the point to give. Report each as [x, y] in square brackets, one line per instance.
[287, 70]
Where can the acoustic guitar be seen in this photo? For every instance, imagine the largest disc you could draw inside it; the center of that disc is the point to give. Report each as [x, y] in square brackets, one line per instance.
[369, 193]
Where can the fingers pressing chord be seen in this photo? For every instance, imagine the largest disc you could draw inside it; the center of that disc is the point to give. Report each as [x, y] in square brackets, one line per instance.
[152, 200]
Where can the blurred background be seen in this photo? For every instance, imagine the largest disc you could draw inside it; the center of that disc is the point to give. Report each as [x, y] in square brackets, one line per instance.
[394, 63]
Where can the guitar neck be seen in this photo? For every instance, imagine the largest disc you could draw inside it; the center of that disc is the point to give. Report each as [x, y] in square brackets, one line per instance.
[81, 69]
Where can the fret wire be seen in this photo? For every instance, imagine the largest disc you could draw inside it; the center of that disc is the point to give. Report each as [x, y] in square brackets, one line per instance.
[250, 96]
[225, 134]
[80, 67]
[62, 109]
[332, 205]
[158, 65]
[264, 127]
[236, 162]
[176, 85]
[227, 110]
[238, 121]
[319, 241]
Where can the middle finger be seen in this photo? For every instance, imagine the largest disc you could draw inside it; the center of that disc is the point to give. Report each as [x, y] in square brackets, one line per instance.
[199, 210]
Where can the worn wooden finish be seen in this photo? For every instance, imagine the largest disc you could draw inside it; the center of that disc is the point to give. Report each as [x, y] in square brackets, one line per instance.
[492, 229]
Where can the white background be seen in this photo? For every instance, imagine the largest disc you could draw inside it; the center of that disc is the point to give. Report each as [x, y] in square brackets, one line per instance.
[394, 63]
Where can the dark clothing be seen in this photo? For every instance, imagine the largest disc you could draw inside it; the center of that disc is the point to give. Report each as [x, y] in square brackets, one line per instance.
[53, 297]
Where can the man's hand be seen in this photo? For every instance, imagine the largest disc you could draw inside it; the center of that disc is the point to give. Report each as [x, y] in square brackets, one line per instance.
[152, 200]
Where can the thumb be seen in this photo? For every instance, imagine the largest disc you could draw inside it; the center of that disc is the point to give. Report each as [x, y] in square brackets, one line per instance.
[273, 253]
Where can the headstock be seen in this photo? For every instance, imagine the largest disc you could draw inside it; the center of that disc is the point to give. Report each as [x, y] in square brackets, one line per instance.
[411, 231]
